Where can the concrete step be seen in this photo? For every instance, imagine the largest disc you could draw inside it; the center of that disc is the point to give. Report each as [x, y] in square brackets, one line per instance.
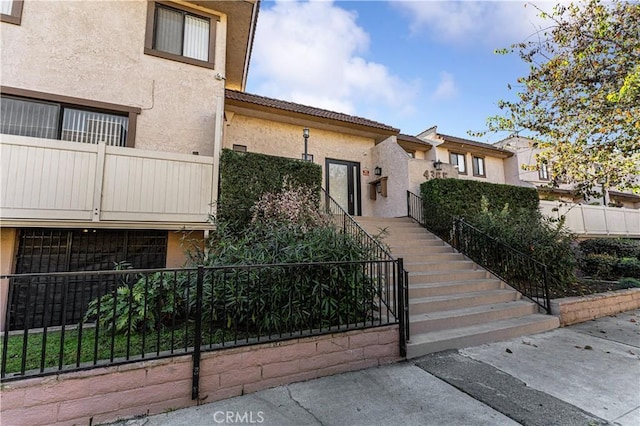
[434, 257]
[421, 305]
[465, 317]
[454, 287]
[445, 276]
[457, 338]
[456, 265]
[420, 250]
[414, 243]
[383, 220]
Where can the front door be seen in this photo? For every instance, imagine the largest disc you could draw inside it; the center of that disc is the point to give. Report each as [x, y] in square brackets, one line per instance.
[343, 184]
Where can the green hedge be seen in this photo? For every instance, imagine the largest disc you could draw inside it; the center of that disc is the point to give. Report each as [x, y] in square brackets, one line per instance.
[463, 197]
[618, 247]
[244, 177]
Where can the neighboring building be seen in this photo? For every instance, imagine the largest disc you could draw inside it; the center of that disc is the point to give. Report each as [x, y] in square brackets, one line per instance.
[112, 122]
[473, 160]
[523, 168]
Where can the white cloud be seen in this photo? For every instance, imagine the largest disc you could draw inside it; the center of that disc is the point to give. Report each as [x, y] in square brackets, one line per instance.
[494, 23]
[313, 53]
[446, 88]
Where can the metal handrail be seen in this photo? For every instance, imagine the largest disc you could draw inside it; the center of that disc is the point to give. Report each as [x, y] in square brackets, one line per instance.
[504, 261]
[400, 290]
[332, 205]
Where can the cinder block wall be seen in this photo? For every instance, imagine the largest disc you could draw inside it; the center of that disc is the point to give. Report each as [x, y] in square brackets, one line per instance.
[152, 387]
[574, 310]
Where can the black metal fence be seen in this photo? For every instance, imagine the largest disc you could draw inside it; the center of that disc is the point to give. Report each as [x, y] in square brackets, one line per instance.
[517, 269]
[377, 251]
[146, 314]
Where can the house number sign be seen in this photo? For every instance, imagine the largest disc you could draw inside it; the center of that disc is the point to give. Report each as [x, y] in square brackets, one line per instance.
[433, 174]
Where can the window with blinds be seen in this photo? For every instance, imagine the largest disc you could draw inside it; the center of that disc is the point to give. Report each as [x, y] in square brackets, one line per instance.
[51, 120]
[6, 6]
[180, 33]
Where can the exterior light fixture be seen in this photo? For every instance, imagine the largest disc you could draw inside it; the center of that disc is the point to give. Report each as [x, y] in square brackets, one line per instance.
[305, 135]
[377, 171]
[437, 164]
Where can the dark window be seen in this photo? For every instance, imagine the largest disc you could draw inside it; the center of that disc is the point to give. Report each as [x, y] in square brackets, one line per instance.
[543, 171]
[180, 33]
[11, 11]
[478, 167]
[55, 120]
[52, 301]
[458, 160]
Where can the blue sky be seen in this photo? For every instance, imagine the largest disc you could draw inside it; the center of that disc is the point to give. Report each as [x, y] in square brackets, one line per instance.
[409, 64]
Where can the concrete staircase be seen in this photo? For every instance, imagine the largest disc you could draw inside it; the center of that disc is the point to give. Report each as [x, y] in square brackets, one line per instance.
[453, 303]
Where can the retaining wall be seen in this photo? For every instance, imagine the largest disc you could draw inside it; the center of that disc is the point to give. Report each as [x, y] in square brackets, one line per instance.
[155, 386]
[573, 310]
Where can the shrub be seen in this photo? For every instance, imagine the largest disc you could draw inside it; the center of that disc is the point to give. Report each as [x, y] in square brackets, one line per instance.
[286, 227]
[533, 234]
[244, 177]
[598, 265]
[628, 267]
[463, 197]
[618, 247]
[630, 282]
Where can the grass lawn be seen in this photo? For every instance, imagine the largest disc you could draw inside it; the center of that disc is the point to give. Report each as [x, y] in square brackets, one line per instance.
[90, 348]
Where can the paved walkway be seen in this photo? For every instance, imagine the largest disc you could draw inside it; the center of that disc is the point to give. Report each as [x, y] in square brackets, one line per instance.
[586, 374]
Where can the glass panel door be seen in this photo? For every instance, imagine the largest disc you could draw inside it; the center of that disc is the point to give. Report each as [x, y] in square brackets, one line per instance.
[343, 184]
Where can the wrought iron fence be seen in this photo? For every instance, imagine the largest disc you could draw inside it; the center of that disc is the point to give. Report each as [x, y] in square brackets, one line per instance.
[378, 251]
[158, 313]
[517, 269]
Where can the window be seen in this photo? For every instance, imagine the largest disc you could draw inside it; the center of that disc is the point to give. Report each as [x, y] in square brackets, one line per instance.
[70, 250]
[11, 11]
[543, 171]
[179, 33]
[458, 160]
[478, 166]
[47, 116]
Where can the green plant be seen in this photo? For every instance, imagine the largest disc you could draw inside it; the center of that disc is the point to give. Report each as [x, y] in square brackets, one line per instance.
[618, 247]
[531, 233]
[630, 282]
[245, 177]
[142, 302]
[463, 198]
[598, 265]
[628, 267]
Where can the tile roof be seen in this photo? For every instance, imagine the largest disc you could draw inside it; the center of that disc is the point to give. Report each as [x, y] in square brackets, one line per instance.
[307, 110]
[455, 139]
[409, 138]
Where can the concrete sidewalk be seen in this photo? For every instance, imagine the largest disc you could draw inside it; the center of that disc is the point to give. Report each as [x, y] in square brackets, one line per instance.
[586, 374]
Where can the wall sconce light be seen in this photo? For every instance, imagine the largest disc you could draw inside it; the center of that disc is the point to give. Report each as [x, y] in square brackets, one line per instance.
[437, 164]
[305, 135]
[377, 171]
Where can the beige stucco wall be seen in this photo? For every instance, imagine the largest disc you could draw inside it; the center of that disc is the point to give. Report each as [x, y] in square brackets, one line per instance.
[285, 140]
[95, 50]
[494, 167]
[394, 162]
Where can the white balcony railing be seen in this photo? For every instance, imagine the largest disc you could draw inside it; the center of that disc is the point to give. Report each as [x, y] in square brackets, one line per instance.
[51, 180]
[594, 221]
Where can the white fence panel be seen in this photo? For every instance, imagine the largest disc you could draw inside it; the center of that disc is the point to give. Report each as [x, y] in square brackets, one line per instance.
[52, 180]
[149, 185]
[43, 179]
[595, 220]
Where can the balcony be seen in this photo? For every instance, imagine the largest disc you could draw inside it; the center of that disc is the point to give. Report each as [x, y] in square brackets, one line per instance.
[57, 183]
